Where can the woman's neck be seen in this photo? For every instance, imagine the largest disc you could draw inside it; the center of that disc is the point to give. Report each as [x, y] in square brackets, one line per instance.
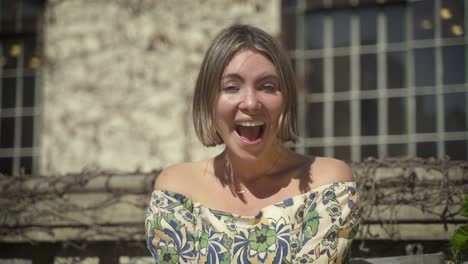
[245, 171]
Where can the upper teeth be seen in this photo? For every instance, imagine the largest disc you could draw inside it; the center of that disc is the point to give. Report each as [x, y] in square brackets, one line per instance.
[251, 124]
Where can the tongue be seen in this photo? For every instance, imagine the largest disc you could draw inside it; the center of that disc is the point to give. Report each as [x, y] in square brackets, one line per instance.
[250, 133]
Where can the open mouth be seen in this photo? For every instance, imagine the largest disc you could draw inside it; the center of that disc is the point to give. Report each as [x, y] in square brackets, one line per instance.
[250, 132]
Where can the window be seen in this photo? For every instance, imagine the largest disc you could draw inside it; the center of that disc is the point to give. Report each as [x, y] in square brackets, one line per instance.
[20, 62]
[382, 78]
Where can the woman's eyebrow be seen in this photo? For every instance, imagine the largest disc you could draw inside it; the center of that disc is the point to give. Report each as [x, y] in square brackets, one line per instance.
[268, 76]
[233, 76]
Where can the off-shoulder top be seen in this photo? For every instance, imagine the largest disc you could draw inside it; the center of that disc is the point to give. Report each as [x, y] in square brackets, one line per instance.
[317, 226]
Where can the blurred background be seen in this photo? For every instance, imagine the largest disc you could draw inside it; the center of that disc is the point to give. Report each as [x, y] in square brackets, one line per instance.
[95, 98]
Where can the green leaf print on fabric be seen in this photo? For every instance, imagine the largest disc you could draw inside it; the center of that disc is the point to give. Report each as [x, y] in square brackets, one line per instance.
[181, 231]
[262, 239]
[312, 220]
[168, 255]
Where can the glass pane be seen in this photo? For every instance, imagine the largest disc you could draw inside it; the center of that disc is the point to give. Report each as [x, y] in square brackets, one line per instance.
[6, 166]
[342, 152]
[314, 31]
[456, 149]
[397, 150]
[8, 11]
[369, 151]
[455, 110]
[26, 165]
[426, 114]
[11, 53]
[315, 151]
[397, 114]
[30, 12]
[7, 132]
[423, 19]
[369, 116]
[395, 23]
[315, 120]
[424, 64]
[368, 73]
[454, 64]
[27, 131]
[288, 3]
[341, 73]
[288, 34]
[452, 14]
[293, 65]
[341, 28]
[314, 75]
[28, 91]
[396, 70]
[8, 92]
[342, 119]
[426, 149]
[31, 60]
[368, 26]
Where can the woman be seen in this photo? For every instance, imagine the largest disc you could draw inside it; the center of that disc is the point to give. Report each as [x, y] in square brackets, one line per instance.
[257, 201]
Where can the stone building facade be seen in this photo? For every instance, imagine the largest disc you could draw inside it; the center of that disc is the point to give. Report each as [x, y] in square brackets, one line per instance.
[119, 76]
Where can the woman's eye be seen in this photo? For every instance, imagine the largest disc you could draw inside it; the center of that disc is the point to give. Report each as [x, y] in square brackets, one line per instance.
[269, 88]
[230, 89]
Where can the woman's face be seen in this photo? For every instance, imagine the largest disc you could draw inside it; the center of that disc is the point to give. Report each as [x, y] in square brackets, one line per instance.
[249, 106]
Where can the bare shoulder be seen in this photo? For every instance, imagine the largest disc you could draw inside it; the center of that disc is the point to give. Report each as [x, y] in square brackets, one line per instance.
[178, 177]
[327, 170]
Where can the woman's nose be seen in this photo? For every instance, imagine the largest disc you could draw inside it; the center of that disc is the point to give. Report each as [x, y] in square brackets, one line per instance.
[250, 102]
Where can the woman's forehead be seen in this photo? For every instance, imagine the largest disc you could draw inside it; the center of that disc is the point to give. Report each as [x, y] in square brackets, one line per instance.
[250, 62]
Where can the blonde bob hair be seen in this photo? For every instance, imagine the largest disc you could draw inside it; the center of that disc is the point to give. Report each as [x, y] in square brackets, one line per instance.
[208, 85]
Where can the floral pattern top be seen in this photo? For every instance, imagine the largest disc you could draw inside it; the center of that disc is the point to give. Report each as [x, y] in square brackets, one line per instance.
[317, 226]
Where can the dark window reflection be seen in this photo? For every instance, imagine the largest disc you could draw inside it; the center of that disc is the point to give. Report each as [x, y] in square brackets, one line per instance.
[369, 151]
[397, 114]
[314, 75]
[424, 64]
[426, 149]
[368, 26]
[6, 166]
[30, 12]
[11, 52]
[26, 165]
[288, 3]
[315, 151]
[454, 64]
[341, 28]
[455, 110]
[369, 114]
[342, 153]
[342, 118]
[314, 31]
[368, 72]
[452, 14]
[397, 150]
[7, 132]
[30, 52]
[28, 91]
[315, 120]
[423, 19]
[395, 23]
[341, 73]
[396, 70]
[288, 34]
[425, 114]
[27, 131]
[8, 92]
[456, 149]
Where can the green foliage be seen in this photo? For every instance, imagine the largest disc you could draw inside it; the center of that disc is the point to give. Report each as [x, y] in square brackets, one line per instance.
[460, 236]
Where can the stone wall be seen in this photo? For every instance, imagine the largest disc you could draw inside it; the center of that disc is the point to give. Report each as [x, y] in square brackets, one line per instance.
[119, 76]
